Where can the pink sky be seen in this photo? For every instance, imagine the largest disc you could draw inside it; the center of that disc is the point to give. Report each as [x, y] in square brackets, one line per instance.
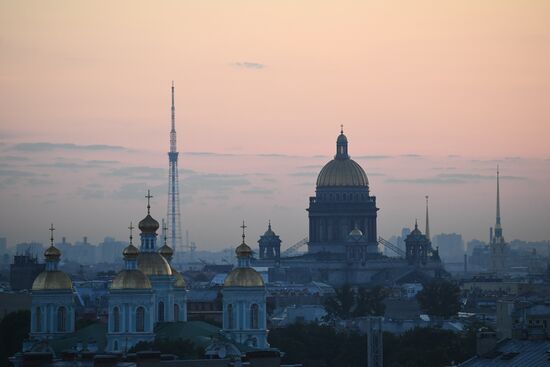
[432, 78]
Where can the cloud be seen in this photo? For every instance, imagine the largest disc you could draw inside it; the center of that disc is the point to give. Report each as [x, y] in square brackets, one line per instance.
[138, 190]
[304, 174]
[248, 65]
[477, 177]
[213, 182]
[258, 191]
[208, 154]
[139, 172]
[372, 157]
[429, 181]
[412, 155]
[44, 147]
[101, 162]
[13, 158]
[15, 173]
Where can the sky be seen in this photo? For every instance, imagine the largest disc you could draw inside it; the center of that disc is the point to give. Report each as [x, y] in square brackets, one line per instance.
[432, 95]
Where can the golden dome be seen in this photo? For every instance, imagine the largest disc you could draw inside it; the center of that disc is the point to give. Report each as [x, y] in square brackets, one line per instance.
[52, 252]
[243, 277]
[243, 250]
[52, 280]
[342, 172]
[148, 224]
[130, 252]
[166, 251]
[152, 263]
[131, 279]
[180, 282]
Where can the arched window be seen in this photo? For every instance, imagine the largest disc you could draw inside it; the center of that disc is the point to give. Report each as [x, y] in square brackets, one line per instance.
[230, 319]
[116, 320]
[140, 319]
[176, 312]
[161, 311]
[254, 316]
[61, 315]
[38, 318]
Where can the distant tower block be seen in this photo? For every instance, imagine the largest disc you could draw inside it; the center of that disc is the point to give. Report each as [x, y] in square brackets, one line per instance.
[375, 347]
[498, 245]
[173, 216]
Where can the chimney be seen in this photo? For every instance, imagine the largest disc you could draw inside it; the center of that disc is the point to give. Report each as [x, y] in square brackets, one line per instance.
[85, 239]
[486, 342]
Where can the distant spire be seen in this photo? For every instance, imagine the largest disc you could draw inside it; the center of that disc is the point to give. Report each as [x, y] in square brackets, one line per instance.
[341, 128]
[51, 234]
[164, 230]
[498, 226]
[415, 223]
[269, 225]
[131, 228]
[427, 220]
[149, 196]
[243, 227]
[173, 144]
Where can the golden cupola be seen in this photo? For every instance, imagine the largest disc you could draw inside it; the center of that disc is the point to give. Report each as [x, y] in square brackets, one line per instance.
[52, 279]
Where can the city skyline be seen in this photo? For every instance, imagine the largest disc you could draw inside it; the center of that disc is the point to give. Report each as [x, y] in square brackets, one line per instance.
[84, 133]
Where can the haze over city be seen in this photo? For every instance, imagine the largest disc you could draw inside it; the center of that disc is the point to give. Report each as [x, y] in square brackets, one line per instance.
[431, 102]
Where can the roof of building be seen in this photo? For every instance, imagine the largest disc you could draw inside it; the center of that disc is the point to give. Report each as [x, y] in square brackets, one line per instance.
[342, 172]
[130, 279]
[514, 353]
[152, 263]
[52, 280]
[243, 277]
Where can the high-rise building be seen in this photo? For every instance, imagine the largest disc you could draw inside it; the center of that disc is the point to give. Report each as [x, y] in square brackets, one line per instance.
[498, 245]
[173, 216]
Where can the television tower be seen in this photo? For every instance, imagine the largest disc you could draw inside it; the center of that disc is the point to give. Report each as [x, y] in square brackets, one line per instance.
[173, 216]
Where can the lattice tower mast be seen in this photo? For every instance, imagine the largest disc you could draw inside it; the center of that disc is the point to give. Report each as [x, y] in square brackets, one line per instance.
[173, 216]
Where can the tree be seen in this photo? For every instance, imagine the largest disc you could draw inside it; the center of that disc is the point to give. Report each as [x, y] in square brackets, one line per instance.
[183, 348]
[14, 329]
[349, 302]
[440, 298]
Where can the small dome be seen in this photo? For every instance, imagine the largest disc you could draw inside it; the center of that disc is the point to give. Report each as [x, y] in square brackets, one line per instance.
[243, 250]
[131, 279]
[243, 277]
[180, 282]
[130, 252]
[166, 251]
[52, 280]
[356, 232]
[152, 263]
[52, 253]
[342, 172]
[269, 232]
[341, 139]
[148, 224]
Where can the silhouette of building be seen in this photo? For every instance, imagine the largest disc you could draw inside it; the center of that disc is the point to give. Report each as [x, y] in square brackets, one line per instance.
[270, 244]
[24, 270]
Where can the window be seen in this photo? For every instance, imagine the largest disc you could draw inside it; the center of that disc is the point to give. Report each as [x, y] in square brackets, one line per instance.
[140, 319]
[230, 320]
[61, 315]
[38, 319]
[161, 312]
[115, 345]
[176, 312]
[254, 316]
[116, 320]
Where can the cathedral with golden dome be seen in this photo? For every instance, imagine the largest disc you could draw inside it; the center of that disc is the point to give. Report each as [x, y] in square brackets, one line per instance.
[244, 302]
[343, 243]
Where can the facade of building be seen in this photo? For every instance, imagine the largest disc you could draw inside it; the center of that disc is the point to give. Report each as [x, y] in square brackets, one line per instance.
[24, 270]
[341, 203]
[52, 307]
[244, 302]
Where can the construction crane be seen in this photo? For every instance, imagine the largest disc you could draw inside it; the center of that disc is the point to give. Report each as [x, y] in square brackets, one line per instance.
[294, 248]
[392, 247]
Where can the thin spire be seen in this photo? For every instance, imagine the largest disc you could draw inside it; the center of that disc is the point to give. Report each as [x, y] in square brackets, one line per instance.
[51, 234]
[498, 198]
[149, 196]
[269, 225]
[131, 228]
[164, 230]
[243, 227]
[415, 223]
[427, 220]
[341, 128]
[173, 144]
